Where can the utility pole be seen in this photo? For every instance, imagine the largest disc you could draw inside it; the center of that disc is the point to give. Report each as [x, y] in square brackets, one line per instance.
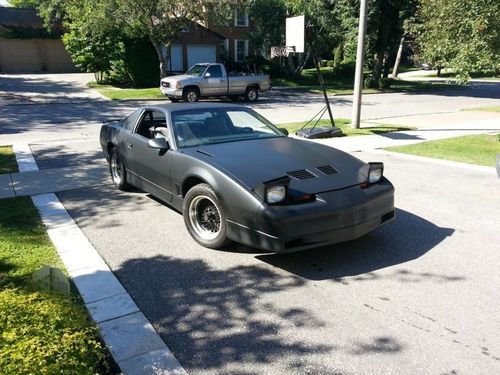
[360, 58]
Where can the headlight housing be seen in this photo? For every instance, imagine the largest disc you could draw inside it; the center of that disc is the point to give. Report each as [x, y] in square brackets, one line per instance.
[274, 191]
[276, 194]
[376, 172]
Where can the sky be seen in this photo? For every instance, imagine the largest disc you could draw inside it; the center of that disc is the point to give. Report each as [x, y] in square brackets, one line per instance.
[3, 2]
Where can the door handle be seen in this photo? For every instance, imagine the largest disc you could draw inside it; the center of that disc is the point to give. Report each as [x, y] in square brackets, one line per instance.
[130, 145]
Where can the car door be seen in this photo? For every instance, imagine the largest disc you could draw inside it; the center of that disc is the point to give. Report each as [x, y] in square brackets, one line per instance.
[214, 81]
[149, 168]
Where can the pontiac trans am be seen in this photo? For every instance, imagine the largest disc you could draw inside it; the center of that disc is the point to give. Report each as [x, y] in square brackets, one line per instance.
[235, 176]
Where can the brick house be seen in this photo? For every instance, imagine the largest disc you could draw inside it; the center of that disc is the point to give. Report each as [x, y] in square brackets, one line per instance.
[26, 46]
[212, 43]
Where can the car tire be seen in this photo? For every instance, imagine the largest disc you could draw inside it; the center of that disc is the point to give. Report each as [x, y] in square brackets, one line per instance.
[252, 94]
[204, 217]
[191, 95]
[117, 171]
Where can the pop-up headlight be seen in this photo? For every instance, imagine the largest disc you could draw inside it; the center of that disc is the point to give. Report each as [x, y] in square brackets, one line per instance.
[274, 191]
[376, 172]
[275, 194]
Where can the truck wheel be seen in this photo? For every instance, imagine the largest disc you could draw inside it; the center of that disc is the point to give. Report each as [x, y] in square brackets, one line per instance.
[204, 217]
[252, 94]
[191, 95]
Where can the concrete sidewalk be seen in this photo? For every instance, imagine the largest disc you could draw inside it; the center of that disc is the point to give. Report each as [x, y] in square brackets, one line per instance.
[52, 180]
[372, 142]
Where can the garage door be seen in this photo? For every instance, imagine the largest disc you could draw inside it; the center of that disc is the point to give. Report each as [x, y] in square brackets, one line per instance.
[200, 54]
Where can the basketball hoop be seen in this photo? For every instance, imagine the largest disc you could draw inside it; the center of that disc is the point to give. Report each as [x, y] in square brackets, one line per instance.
[281, 51]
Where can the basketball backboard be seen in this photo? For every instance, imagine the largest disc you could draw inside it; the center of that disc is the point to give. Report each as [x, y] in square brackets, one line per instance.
[295, 28]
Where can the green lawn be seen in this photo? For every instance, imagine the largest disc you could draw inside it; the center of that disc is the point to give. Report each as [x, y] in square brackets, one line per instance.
[40, 332]
[342, 84]
[479, 75]
[8, 162]
[335, 83]
[474, 149]
[493, 108]
[345, 125]
[116, 93]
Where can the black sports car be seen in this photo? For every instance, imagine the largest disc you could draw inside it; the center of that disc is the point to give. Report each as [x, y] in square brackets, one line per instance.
[235, 176]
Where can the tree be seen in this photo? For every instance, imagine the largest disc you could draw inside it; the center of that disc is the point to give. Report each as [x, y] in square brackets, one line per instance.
[461, 34]
[91, 38]
[269, 17]
[24, 3]
[384, 33]
[161, 20]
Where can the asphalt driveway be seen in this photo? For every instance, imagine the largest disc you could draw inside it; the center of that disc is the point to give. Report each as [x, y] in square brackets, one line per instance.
[417, 296]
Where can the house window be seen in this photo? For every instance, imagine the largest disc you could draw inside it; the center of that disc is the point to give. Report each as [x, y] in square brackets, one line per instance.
[240, 18]
[240, 49]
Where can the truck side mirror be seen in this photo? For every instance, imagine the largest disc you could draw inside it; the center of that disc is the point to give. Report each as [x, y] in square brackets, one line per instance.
[207, 75]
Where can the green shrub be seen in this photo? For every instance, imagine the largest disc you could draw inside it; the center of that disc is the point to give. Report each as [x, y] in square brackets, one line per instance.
[371, 83]
[141, 62]
[386, 83]
[324, 63]
[330, 63]
[45, 333]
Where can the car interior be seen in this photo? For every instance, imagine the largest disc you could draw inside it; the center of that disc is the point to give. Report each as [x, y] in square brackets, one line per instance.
[153, 125]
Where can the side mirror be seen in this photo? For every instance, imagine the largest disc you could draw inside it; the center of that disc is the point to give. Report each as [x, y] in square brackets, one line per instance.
[284, 131]
[207, 75]
[159, 143]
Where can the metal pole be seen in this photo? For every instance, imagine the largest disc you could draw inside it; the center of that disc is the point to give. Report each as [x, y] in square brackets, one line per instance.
[322, 84]
[360, 58]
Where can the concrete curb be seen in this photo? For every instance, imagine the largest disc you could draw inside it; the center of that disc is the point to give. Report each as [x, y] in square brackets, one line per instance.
[130, 337]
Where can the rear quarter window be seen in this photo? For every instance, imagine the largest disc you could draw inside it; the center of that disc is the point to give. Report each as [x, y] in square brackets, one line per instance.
[131, 120]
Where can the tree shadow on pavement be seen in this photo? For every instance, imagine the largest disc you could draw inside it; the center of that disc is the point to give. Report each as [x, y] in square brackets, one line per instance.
[408, 237]
[212, 317]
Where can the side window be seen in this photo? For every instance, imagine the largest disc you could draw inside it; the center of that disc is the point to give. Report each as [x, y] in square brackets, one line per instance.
[131, 120]
[149, 121]
[215, 71]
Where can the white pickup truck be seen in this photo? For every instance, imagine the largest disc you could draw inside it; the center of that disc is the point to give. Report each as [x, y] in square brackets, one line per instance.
[207, 79]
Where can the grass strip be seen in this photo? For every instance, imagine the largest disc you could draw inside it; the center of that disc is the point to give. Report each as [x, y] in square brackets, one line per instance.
[8, 162]
[473, 149]
[345, 125]
[40, 332]
[115, 93]
[493, 108]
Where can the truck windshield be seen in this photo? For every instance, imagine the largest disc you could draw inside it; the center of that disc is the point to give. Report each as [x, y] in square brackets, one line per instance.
[197, 127]
[197, 70]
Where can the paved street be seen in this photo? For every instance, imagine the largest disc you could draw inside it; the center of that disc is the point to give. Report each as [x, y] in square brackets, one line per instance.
[417, 296]
[20, 122]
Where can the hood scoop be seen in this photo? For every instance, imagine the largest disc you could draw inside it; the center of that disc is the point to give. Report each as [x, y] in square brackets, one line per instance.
[327, 169]
[301, 174]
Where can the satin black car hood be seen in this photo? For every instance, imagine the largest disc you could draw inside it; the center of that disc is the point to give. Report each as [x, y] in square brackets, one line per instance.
[313, 167]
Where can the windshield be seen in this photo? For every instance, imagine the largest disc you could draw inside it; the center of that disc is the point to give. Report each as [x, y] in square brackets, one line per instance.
[197, 127]
[196, 70]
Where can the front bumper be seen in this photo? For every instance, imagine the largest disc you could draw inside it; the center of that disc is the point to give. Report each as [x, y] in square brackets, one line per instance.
[335, 217]
[171, 92]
